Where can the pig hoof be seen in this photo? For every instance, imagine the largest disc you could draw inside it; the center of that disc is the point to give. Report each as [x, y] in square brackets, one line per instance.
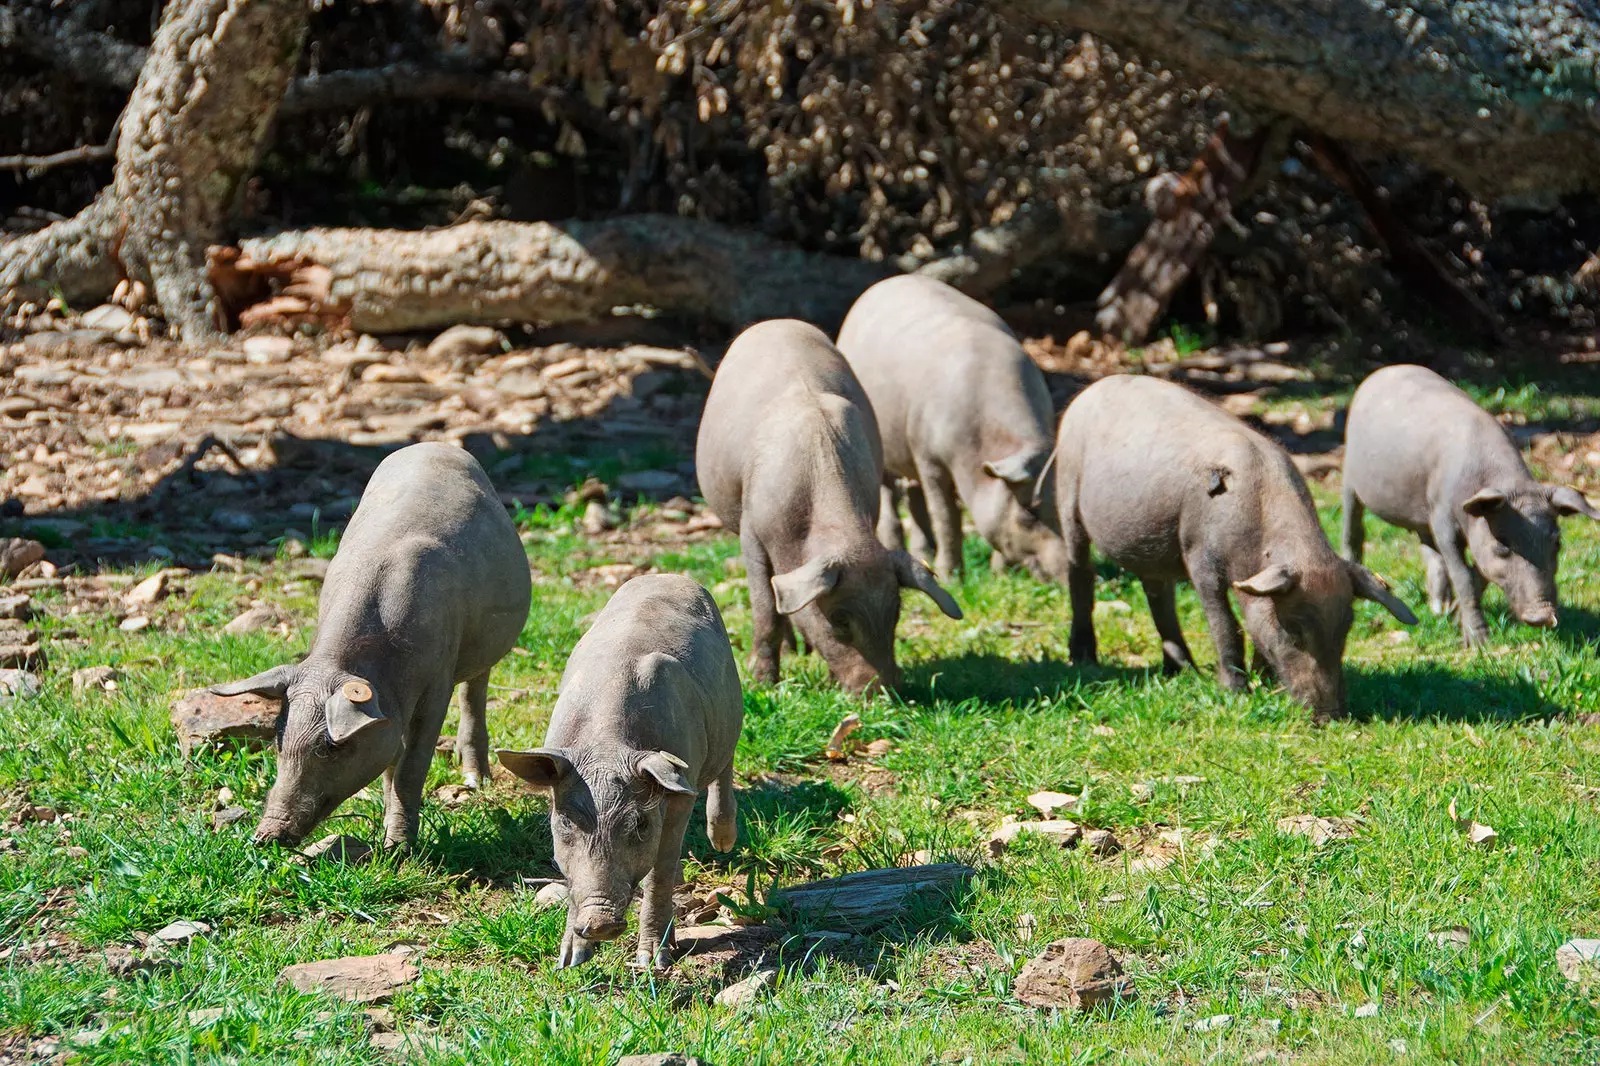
[660, 959]
[471, 780]
[575, 951]
[723, 838]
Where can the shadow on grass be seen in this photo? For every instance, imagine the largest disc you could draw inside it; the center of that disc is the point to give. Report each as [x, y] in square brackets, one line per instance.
[988, 677]
[1428, 691]
[1579, 628]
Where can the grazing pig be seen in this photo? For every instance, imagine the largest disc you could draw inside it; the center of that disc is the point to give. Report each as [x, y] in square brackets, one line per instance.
[1170, 486]
[788, 458]
[963, 412]
[1424, 457]
[429, 589]
[648, 715]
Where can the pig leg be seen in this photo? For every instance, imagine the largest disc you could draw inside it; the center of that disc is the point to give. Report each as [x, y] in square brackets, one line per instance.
[1441, 600]
[1163, 599]
[890, 533]
[404, 781]
[1212, 588]
[655, 909]
[1464, 580]
[722, 812]
[1352, 533]
[472, 738]
[767, 626]
[944, 508]
[1080, 592]
[921, 546]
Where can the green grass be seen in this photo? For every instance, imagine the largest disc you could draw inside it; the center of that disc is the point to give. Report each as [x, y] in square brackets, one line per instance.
[1288, 938]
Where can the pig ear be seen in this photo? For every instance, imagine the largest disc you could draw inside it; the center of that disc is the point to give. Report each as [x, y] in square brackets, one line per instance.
[273, 684]
[802, 585]
[1015, 469]
[1483, 502]
[1569, 501]
[913, 575]
[1370, 586]
[1275, 580]
[541, 768]
[347, 717]
[666, 768]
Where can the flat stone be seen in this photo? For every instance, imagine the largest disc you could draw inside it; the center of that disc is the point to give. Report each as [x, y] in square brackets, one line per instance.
[1455, 937]
[16, 684]
[747, 991]
[180, 931]
[202, 718]
[108, 317]
[459, 342]
[95, 679]
[1047, 802]
[1062, 833]
[1579, 961]
[1101, 842]
[228, 816]
[1367, 1010]
[17, 554]
[1213, 1023]
[1318, 830]
[411, 1045]
[156, 381]
[200, 1018]
[338, 848]
[267, 349]
[357, 978]
[1077, 973]
[671, 1058]
[134, 623]
[554, 894]
[149, 590]
[16, 608]
[252, 620]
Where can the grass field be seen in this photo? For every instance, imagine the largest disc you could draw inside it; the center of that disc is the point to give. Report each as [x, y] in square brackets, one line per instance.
[1318, 954]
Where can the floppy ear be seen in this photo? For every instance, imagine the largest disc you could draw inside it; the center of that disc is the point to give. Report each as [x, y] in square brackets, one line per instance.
[666, 768]
[1275, 580]
[1569, 501]
[273, 684]
[1018, 469]
[802, 585]
[1370, 586]
[346, 717]
[541, 768]
[913, 575]
[1483, 502]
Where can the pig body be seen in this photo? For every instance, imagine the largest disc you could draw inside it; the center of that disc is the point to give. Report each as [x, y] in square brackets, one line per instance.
[962, 412]
[648, 716]
[1169, 486]
[788, 457]
[1421, 455]
[429, 589]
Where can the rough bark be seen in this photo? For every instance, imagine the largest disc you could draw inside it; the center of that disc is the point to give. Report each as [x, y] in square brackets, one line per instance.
[550, 273]
[190, 136]
[1498, 94]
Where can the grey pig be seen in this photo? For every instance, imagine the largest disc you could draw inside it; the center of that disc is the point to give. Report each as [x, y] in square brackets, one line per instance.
[788, 457]
[1170, 486]
[648, 715]
[1424, 457]
[963, 412]
[429, 589]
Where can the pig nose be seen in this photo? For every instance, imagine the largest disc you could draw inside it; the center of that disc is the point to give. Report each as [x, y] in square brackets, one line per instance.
[1542, 615]
[603, 929]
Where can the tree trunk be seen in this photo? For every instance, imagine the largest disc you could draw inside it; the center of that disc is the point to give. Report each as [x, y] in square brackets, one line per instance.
[1493, 93]
[190, 137]
[550, 273]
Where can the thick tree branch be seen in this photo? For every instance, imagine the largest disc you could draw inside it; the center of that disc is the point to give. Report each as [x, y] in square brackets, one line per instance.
[1483, 91]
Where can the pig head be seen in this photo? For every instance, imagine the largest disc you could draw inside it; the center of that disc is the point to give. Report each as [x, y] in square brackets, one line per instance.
[1007, 505]
[1515, 542]
[336, 734]
[606, 813]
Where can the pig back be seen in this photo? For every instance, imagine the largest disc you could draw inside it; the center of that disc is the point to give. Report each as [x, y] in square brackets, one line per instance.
[431, 547]
[945, 375]
[655, 672]
[784, 406]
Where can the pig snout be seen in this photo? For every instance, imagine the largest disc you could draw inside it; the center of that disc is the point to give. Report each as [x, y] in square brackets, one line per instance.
[1541, 614]
[276, 830]
[599, 925]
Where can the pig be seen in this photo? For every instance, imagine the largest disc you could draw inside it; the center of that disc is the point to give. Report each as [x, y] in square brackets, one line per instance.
[648, 715]
[429, 589]
[1170, 486]
[1424, 457]
[788, 457]
[962, 412]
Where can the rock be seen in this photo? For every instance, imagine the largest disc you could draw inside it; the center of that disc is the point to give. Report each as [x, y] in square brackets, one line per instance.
[1077, 973]
[1367, 1010]
[880, 747]
[338, 848]
[1456, 937]
[554, 894]
[134, 623]
[453, 795]
[747, 991]
[95, 679]
[357, 978]
[310, 569]
[1064, 834]
[1318, 830]
[650, 482]
[1101, 842]
[1047, 803]
[256, 618]
[379, 1019]
[596, 519]
[1579, 961]
[232, 521]
[412, 1045]
[1482, 836]
[228, 816]
[148, 591]
[16, 608]
[862, 901]
[16, 555]
[268, 349]
[108, 317]
[671, 1058]
[155, 381]
[461, 342]
[180, 932]
[201, 1018]
[16, 684]
[203, 718]
[1213, 1023]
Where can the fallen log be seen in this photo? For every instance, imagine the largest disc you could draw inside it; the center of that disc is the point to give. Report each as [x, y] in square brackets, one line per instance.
[861, 902]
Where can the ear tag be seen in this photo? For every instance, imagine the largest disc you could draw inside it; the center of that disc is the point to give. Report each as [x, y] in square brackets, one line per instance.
[356, 691]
